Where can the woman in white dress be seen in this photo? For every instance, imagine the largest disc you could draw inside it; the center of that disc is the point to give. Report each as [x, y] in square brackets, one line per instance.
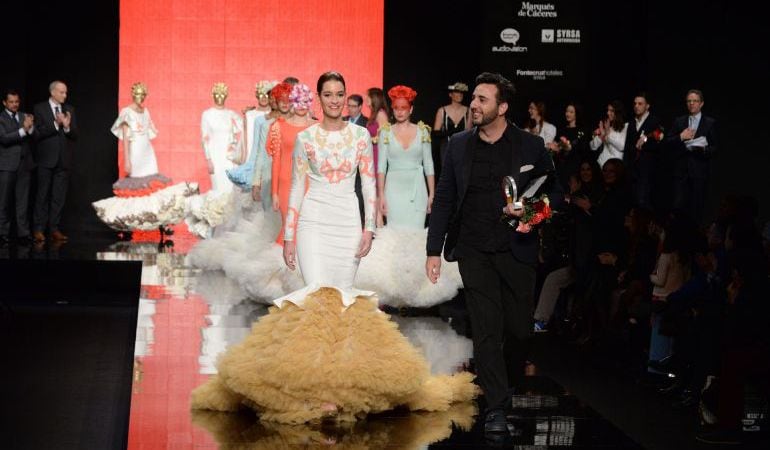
[222, 139]
[537, 124]
[610, 135]
[144, 199]
[327, 350]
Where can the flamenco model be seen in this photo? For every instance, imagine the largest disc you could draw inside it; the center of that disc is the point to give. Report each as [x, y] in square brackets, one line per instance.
[145, 199]
[327, 350]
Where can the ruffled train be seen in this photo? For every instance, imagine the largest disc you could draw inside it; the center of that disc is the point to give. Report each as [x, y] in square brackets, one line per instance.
[395, 269]
[146, 212]
[296, 361]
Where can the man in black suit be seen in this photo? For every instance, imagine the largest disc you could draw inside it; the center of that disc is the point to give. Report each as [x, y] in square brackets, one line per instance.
[497, 263]
[355, 102]
[16, 164]
[641, 150]
[55, 136]
[692, 141]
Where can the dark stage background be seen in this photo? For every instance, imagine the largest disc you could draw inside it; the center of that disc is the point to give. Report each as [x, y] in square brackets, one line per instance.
[662, 47]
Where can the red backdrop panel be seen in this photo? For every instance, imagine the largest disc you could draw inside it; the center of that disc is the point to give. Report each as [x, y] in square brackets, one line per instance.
[180, 48]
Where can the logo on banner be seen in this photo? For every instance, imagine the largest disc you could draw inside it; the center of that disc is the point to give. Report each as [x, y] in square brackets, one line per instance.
[510, 36]
[546, 36]
[539, 75]
[538, 10]
[564, 36]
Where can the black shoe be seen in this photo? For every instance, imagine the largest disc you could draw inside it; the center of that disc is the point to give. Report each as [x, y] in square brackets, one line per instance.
[722, 437]
[495, 422]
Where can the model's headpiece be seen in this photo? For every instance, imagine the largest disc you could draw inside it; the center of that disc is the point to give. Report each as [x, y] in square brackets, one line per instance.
[139, 87]
[458, 87]
[263, 87]
[301, 96]
[402, 91]
[281, 91]
[219, 88]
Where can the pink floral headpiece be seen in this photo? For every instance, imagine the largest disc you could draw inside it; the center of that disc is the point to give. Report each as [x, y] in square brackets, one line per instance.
[301, 96]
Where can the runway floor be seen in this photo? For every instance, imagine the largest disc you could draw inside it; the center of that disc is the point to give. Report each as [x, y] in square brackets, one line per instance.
[106, 387]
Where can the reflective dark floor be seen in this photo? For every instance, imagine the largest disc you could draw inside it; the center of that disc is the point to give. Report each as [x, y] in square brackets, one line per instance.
[185, 317]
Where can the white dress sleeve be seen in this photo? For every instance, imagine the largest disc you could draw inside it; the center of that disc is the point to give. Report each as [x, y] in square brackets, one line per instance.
[300, 169]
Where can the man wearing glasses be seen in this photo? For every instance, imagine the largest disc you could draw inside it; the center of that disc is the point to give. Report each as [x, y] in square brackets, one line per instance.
[354, 110]
[693, 139]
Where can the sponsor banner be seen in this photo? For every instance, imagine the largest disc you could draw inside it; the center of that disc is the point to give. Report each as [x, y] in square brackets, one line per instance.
[535, 10]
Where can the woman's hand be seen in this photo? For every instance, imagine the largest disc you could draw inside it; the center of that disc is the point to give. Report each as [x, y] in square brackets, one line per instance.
[290, 254]
[128, 168]
[276, 202]
[210, 166]
[365, 246]
[430, 203]
[256, 192]
[383, 206]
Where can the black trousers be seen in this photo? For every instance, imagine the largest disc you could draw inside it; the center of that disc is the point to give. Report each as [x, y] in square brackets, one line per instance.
[14, 183]
[690, 196]
[52, 186]
[499, 293]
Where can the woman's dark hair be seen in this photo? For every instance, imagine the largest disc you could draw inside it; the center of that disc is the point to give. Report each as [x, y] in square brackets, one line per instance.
[620, 170]
[377, 97]
[620, 115]
[505, 89]
[329, 76]
[578, 112]
[596, 171]
[540, 107]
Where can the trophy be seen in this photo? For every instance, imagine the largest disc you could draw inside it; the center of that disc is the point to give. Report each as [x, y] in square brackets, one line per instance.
[511, 196]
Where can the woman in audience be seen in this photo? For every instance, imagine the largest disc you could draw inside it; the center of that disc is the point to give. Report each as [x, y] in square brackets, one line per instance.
[610, 136]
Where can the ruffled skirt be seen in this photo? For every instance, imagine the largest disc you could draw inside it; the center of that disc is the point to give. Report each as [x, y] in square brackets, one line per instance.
[297, 360]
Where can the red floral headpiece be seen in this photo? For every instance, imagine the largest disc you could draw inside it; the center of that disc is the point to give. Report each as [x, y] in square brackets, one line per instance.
[281, 91]
[402, 91]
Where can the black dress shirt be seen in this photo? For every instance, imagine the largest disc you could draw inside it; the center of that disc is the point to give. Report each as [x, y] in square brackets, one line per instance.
[481, 227]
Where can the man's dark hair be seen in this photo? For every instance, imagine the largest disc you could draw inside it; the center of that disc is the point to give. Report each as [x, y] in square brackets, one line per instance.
[505, 89]
[291, 80]
[644, 95]
[356, 98]
[10, 92]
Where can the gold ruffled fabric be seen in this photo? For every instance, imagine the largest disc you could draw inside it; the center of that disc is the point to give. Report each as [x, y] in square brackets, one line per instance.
[296, 360]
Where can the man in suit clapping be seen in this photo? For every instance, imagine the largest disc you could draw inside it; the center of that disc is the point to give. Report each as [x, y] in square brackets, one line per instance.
[16, 164]
[55, 136]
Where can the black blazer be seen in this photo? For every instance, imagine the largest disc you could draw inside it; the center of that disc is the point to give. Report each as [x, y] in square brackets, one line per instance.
[14, 149]
[361, 121]
[53, 144]
[692, 163]
[631, 157]
[445, 217]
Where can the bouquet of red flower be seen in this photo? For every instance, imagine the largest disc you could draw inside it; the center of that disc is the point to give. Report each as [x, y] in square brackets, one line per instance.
[536, 210]
[656, 134]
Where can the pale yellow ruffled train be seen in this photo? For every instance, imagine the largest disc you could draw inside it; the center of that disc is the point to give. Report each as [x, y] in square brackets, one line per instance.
[297, 361]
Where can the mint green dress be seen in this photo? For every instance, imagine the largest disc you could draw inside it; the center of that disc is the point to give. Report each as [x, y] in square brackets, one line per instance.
[405, 170]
